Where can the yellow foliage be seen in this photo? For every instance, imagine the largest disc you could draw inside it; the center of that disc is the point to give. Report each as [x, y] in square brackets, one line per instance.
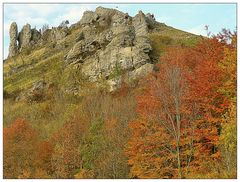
[84, 174]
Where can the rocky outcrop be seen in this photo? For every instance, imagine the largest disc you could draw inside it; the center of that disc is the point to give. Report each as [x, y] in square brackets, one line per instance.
[37, 93]
[30, 38]
[13, 46]
[58, 33]
[55, 36]
[140, 24]
[112, 44]
[36, 36]
[89, 17]
[109, 44]
[24, 37]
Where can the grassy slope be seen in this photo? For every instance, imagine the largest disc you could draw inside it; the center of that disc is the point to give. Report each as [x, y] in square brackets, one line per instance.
[165, 36]
[41, 63]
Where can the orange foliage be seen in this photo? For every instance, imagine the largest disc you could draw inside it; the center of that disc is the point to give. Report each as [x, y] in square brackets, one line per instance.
[20, 141]
[66, 157]
[44, 155]
[179, 114]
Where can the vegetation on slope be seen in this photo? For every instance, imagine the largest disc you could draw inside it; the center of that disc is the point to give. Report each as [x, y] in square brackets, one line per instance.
[97, 134]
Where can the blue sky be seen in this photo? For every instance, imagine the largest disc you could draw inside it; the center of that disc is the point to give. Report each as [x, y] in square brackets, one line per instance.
[188, 17]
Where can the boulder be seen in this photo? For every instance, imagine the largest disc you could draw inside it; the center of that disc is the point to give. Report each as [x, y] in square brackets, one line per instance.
[121, 19]
[101, 11]
[81, 50]
[36, 93]
[141, 71]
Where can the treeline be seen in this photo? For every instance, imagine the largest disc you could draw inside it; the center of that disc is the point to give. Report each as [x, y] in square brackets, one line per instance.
[180, 122]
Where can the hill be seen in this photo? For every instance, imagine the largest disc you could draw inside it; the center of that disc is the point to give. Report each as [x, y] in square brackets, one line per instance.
[115, 96]
[102, 47]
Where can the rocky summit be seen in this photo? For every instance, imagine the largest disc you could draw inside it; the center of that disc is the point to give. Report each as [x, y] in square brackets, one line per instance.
[121, 43]
[109, 44]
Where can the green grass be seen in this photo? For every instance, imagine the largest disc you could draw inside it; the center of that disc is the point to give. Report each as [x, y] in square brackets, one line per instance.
[25, 78]
[166, 36]
[174, 33]
[42, 63]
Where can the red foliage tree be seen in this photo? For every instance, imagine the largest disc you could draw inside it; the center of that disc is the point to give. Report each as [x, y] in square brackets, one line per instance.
[179, 114]
[20, 141]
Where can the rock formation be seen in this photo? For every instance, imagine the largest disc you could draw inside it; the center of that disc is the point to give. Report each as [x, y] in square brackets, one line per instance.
[111, 43]
[29, 38]
[24, 37]
[36, 36]
[13, 46]
[140, 24]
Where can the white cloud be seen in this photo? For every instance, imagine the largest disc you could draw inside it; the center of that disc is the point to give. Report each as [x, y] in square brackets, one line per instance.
[198, 30]
[39, 14]
[32, 10]
[44, 10]
[72, 13]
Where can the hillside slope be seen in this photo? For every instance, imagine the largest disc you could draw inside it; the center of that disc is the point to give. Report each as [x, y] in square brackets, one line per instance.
[119, 97]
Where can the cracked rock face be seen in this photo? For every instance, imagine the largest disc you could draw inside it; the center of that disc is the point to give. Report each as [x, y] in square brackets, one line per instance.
[36, 36]
[13, 47]
[113, 43]
[25, 37]
[59, 33]
[28, 37]
[140, 24]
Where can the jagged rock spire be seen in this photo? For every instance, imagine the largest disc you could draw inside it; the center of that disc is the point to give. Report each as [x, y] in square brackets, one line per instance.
[25, 36]
[13, 46]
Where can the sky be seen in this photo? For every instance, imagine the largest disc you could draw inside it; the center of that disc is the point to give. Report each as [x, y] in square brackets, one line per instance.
[188, 17]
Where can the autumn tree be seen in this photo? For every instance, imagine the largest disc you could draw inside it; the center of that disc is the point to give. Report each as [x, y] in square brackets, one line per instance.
[44, 153]
[164, 114]
[218, 111]
[66, 158]
[228, 134]
[20, 141]
[112, 163]
[204, 84]
[181, 102]
[102, 147]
